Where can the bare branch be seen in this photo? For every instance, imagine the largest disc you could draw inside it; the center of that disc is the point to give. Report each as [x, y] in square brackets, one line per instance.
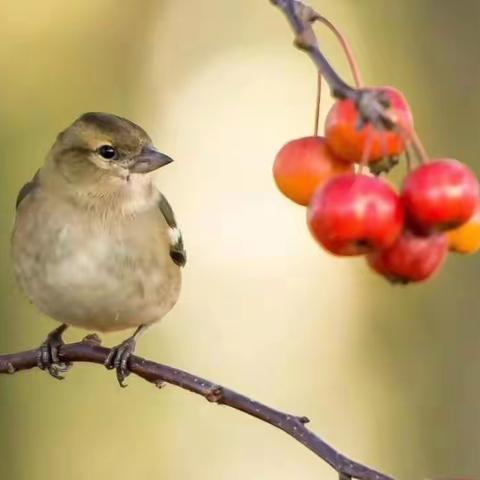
[301, 17]
[371, 104]
[91, 351]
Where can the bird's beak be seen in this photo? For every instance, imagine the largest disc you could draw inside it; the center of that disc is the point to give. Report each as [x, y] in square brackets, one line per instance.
[148, 160]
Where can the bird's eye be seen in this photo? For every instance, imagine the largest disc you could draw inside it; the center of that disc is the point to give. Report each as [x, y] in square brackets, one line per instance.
[108, 152]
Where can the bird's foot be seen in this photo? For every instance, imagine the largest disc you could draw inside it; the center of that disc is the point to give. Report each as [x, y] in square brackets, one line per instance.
[118, 358]
[48, 357]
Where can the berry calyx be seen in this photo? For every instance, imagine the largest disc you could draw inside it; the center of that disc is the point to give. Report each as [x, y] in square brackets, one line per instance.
[353, 139]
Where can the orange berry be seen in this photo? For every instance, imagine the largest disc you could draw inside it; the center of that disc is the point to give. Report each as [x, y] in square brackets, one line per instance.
[304, 164]
[349, 142]
[466, 239]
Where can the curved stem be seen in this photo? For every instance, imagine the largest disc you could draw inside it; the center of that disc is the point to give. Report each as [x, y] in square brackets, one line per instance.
[408, 159]
[352, 61]
[365, 155]
[419, 147]
[300, 17]
[318, 101]
[91, 351]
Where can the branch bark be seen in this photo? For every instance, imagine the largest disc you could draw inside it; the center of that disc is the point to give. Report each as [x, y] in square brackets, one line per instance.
[301, 18]
[90, 350]
[371, 104]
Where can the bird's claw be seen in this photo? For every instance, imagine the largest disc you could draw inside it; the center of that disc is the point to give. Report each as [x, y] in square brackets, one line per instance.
[48, 355]
[118, 359]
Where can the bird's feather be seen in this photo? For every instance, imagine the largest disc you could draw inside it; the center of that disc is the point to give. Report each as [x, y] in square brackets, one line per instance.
[177, 249]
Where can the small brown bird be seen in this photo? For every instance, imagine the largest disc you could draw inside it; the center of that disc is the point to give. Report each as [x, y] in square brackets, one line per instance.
[95, 244]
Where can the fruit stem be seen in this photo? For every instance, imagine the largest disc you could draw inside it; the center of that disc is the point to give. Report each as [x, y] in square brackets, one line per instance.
[365, 155]
[412, 138]
[317, 105]
[419, 148]
[301, 17]
[357, 77]
[408, 159]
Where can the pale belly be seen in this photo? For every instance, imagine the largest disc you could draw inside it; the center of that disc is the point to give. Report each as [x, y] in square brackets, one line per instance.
[97, 278]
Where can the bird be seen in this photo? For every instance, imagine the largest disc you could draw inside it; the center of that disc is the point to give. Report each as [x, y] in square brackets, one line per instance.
[95, 244]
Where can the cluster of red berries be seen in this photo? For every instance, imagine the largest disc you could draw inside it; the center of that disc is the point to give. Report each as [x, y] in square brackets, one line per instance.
[405, 236]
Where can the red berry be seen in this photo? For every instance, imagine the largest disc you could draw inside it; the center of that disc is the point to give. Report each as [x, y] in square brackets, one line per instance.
[349, 142]
[412, 258]
[440, 195]
[302, 165]
[355, 214]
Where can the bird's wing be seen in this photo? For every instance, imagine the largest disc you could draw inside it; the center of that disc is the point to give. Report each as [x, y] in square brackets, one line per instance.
[177, 249]
[28, 188]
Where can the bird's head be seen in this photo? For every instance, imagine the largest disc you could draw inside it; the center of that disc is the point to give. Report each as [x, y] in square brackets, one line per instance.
[104, 149]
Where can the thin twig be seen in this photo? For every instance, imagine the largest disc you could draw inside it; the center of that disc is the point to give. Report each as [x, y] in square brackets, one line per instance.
[301, 17]
[91, 351]
[318, 101]
[419, 148]
[371, 104]
[352, 62]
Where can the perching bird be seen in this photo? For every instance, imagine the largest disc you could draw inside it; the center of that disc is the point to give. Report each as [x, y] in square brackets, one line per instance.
[95, 244]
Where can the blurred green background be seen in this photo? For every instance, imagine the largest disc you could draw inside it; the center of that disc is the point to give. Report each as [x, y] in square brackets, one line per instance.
[388, 375]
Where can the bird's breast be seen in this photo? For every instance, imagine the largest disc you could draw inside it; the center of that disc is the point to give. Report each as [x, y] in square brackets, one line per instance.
[96, 273]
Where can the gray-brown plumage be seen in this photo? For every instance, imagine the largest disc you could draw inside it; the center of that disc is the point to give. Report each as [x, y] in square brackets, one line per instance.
[95, 244]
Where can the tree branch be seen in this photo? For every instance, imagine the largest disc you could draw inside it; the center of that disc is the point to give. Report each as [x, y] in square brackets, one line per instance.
[90, 350]
[301, 17]
[371, 104]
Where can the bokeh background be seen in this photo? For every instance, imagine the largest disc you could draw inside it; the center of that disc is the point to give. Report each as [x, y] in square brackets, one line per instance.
[388, 375]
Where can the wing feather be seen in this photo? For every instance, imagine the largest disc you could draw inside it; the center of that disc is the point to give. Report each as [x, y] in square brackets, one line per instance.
[177, 249]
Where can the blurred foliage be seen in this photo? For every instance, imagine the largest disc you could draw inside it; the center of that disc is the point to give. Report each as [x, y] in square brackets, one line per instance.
[387, 374]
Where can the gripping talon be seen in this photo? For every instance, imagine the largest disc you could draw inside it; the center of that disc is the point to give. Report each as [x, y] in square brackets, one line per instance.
[119, 356]
[118, 359]
[48, 354]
